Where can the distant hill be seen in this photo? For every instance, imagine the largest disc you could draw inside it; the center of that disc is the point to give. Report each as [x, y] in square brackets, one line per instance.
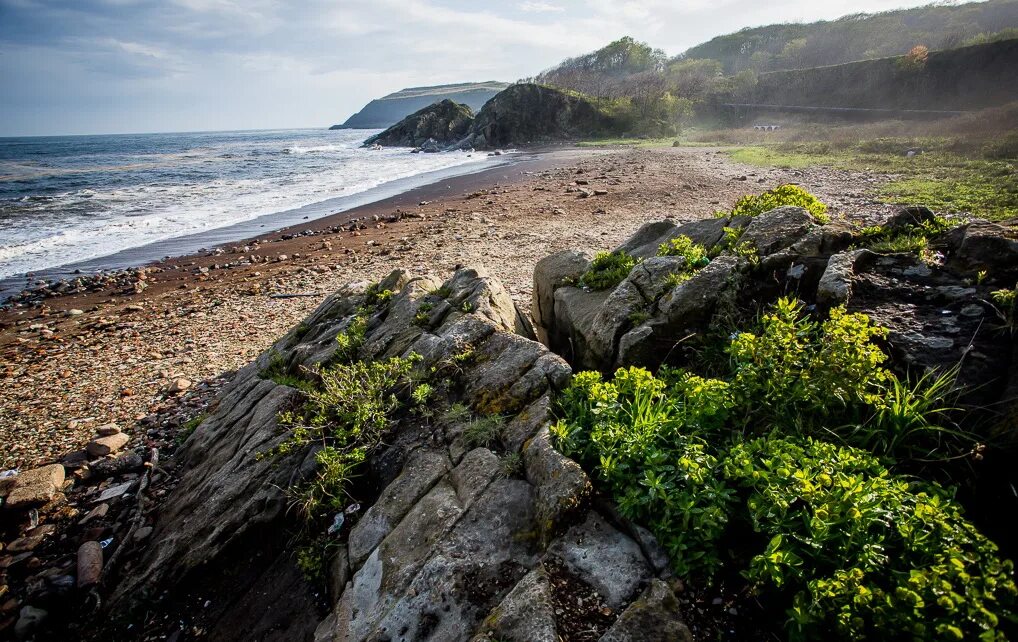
[860, 37]
[966, 78]
[388, 110]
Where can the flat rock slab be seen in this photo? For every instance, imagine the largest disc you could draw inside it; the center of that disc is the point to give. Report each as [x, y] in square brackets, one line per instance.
[106, 445]
[113, 492]
[36, 487]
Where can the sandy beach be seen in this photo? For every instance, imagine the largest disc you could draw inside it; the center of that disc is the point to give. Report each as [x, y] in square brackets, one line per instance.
[79, 361]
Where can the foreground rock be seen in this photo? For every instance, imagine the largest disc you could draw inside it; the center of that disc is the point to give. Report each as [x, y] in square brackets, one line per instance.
[940, 312]
[456, 538]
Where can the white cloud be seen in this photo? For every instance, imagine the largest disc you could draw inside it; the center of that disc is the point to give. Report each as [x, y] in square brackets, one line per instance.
[540, 7]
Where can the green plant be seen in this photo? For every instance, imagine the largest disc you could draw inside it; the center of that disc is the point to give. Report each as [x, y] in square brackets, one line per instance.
[863, 553]
[423, 316]
[421, 394]
[784, 195]
[351, 339]
[467, 307]
[607, 270]
[1006, 300]
[346, 414]
[981, 276]
[638, 318]
[457, 413]
[694, 253]
[441, 292]
[511, 465]
[484, 431]
[188, 428]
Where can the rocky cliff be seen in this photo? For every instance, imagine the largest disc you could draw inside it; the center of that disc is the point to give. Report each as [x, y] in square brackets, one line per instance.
[529, 113]
[388, 110]
[439, 125]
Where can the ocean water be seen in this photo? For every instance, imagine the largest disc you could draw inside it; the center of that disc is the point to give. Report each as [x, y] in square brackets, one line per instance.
[69, 199]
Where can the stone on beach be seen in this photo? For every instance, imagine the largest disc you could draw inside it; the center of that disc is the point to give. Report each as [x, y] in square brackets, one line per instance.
[36, 487]
[90, 564]
[105, 445]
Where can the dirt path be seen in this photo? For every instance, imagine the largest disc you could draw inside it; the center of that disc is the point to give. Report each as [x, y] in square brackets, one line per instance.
[64, 375]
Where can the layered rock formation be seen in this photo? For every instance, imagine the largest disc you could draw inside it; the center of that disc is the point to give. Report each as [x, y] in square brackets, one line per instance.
[453, 548]
[437, 125]
[447, 537]
[388, 110]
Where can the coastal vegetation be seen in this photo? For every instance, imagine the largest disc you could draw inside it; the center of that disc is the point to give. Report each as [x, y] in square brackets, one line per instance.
[795, 469]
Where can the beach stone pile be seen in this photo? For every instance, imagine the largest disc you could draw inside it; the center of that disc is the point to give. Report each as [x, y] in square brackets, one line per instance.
[130, 281]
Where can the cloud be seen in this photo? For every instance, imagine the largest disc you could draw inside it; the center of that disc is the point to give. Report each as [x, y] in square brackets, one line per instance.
[138, 65]
[540, 7]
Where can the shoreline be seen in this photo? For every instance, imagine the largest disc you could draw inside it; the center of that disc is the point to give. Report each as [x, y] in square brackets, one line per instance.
[78, 361]
[198, 243]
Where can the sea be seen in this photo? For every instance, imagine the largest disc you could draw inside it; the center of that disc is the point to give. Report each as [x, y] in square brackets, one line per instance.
[104, 202]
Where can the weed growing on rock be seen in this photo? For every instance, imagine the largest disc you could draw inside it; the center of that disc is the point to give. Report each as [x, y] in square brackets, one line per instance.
[608, 269]
[694, 253]
[484, 431]
[511, 465]
[346, 413]
[784, 195]
[351, 339]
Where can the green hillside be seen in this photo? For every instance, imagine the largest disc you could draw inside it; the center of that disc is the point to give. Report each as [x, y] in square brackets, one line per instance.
[859, 36]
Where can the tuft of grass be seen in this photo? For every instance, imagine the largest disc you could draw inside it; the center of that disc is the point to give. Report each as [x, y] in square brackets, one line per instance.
[484, 431]
[511, 465]
[457, 413]
[607, 270]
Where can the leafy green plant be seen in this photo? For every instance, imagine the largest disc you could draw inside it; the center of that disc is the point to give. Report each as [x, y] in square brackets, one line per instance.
[694, 253]
[423, 316]
[865, 554]
[351, 339]
[608, 269]
[1006, 300]
[422, 392]
[784, 195]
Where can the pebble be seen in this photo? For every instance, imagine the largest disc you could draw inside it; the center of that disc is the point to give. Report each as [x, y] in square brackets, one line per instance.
[90, 564]
[178, 385]
[106, 445]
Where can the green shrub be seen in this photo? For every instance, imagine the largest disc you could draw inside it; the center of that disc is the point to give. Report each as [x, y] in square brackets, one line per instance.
[866, 554]
[351, 339]
[843, 545]
[694, 253]
[346, 413]
[607, 270]
[781, 196]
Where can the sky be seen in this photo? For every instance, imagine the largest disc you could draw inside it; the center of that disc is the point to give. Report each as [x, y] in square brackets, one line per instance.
[118, 66]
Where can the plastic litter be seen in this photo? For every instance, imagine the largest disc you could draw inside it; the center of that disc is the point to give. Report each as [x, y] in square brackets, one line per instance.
[106, 542]
[337, 523]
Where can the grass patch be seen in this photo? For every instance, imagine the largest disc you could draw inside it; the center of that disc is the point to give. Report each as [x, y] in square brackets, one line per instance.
[628, 142]
[786, 470]
[947, 176]
[607, 270]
